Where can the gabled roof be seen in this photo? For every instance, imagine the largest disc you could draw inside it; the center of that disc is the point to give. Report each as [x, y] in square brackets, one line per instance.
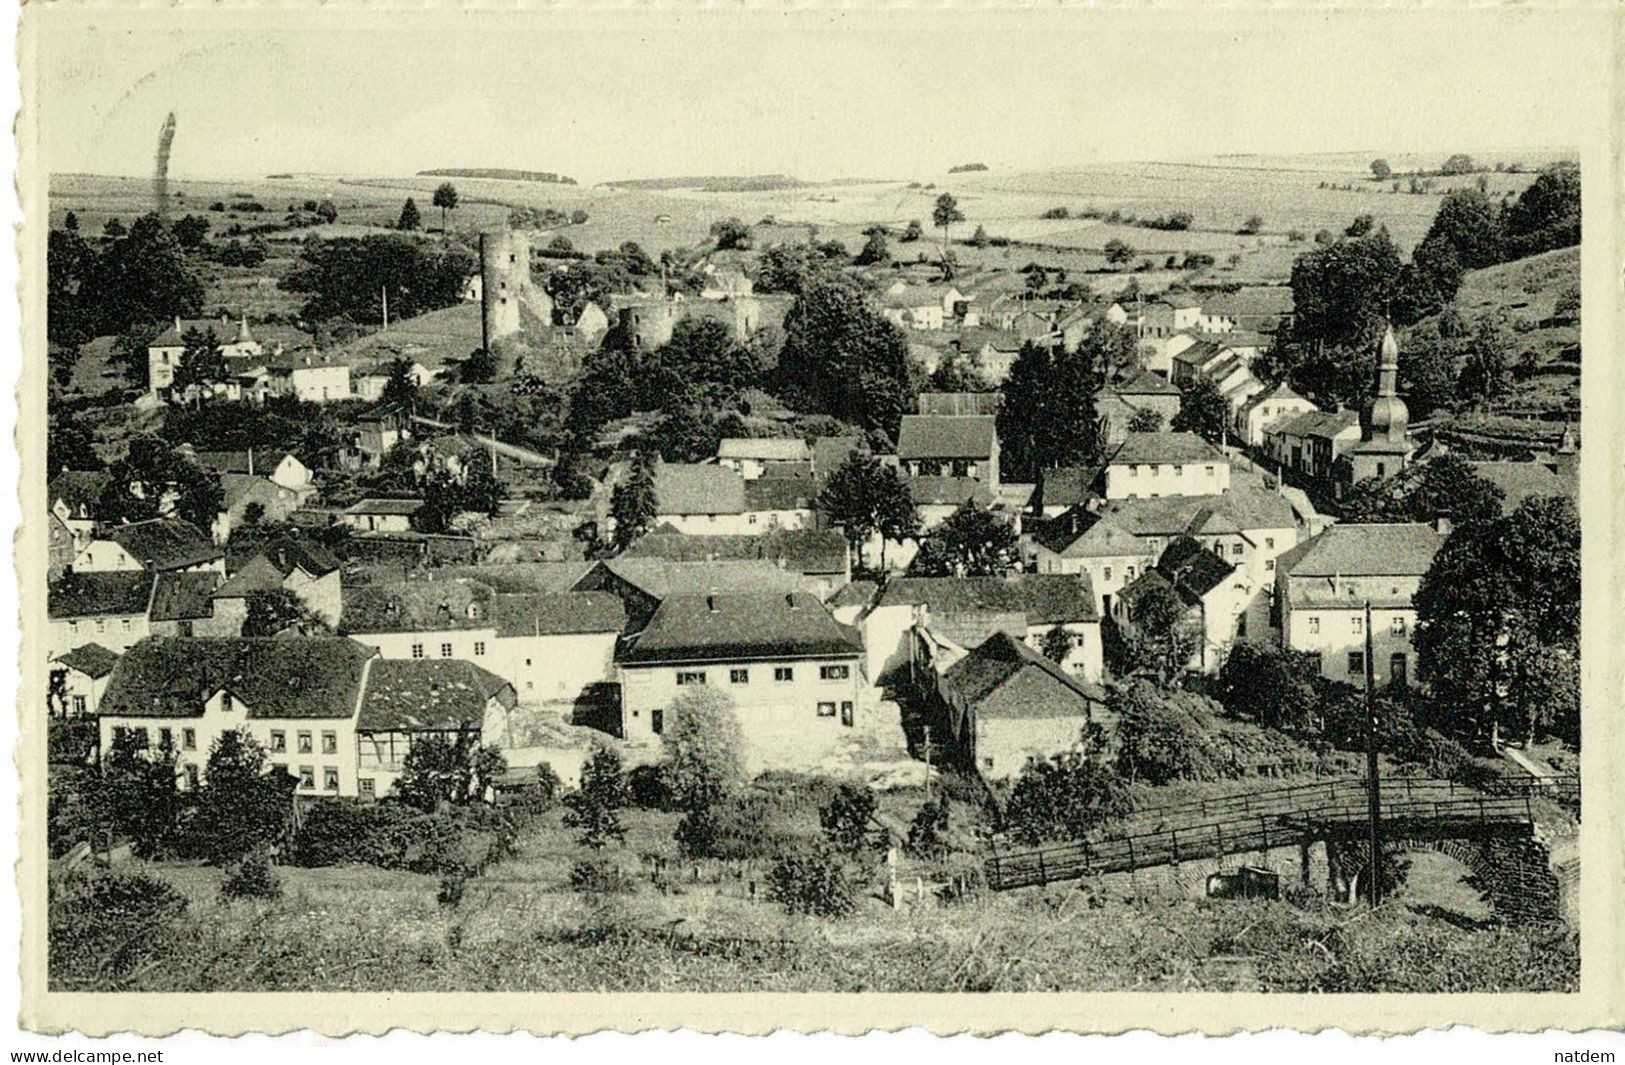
[1326, 424]
[288, 553]
[933, 490]
[941, 436]
[691, 488]
[1144, 383]
[1078, 533]
[404, 694]
[1178, 300]
[262, 462]
[658, 578]
[765, 449]
[1192, 569]
[243, 488]
[797, 550]
[1150, 449]
[183, 596]
[1281, 393]
[960, 404]
[735, 626]
[506, 577]
[557, 613]
[117, 594]
[406, 507]
[223, 330]
[417, 606]
[780, 493]
[1376, 549]
[1519, 481]
[81, 490]
[830, 452]
[1245, 507]
[91, 659]
[165, 543]
[1043, 598]
[1067, 486]
[1250, 302]
[255, 575]
[854, 593]
[293, 677]
[1200, 352]
[1003, 677]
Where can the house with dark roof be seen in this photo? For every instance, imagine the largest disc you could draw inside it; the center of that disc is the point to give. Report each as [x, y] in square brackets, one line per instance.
[1081, 541]
[79, 679]
[1247, 526]
[780, 500]
[960, 612]
[1323, 587]
[74, 496]
[1310, 444]
[406, 702]
[1267, 409]
[308, 375]
[382, 515]
[1118, 403]
[755, 457]
[153, 546]
[279, 467]
[181, 606]
[819, 555]
[949, 446]
[1004, 705]
[288, 563]
[236, 341]
[249, 499]
[1154, 465]
[700, 498]
[793, 674]
[104, 608]
[1215, 595]
[642, 583]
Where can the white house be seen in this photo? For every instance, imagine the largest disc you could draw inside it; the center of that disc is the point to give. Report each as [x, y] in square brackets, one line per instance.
[236, 341]
[279, 467]
[1152, 465]
[84, 672]
[109, 609]
[1268, 408]
[154, 545]
[74, 497]
[382, 515]
[1216, 595]
[756, 457]
[700, 498]
[308, 375]
[1080, 541]
[288, 563]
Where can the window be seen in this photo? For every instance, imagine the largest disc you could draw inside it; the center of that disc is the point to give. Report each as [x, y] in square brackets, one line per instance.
[225, 702]
[826, 709]
[330, 778]
[479, 648]
[330, 743]
[1208, 470]
[367, 787]
[1397, 626]
[1359, 625]
[78, 706]
[783, 674]
[1155, 470]
[73, 627]
[846, 714]
[657, 721]
[125, 624]
[1241, 626]
[1356, 663]
[834, 672]
[417, 650]
[1269, 565]
[445, 650]
[304, 743]
[738, 676]
[1269, 543]
[1107, 573]
[1235, 550]
[101, 625]
[307, 777]
[689, 678]
[987, 763]
[166, 737]
[191, 778]
[1129, 573]
[1397, 672]
[189, 738]
[279, 740]
[1134, 471]
[1314, 623]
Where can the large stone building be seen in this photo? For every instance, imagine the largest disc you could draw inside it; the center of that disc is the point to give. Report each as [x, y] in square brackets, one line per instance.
[510, 301]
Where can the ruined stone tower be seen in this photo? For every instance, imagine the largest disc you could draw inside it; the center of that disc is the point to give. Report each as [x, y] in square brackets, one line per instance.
[510, 302]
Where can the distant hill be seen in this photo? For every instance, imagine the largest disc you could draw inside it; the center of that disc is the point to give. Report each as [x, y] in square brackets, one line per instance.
[500, 174]
[746, 183]
[966, 168]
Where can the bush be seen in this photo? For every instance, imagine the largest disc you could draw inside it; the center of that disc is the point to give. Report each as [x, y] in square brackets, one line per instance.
[597, 875]
[393, 835]
[1162, 737]
[747, 825]
[928, 835]
[845, 818]
[252, 878]
[817, 882]
[647, 787]
[106, 927]
[1066, 797]
[453, 886]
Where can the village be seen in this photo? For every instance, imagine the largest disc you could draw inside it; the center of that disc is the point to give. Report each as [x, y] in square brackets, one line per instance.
[905, 578]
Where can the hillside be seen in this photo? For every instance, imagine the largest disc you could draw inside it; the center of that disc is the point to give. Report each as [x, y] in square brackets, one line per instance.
[499, 174]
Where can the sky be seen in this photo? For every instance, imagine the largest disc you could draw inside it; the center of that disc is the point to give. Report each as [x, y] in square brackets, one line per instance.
[815, 94]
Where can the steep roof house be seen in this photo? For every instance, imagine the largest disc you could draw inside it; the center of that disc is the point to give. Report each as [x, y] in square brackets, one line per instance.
[949, 445]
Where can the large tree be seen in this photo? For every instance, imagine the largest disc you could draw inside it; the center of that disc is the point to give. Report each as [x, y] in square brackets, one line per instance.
[944, 214]
[844, 358]
[1341, 291]
[445, 198]
[1048, 416]
[972, 542]
[703, 755]
[153, 479]
[348, 277]
[701, 360]
[1203, 411]
[864, 497]
[143, 278]
[1547, 213]
[1469, 222]
[1445, 486]
[244, 803]
[632, 503]
[1498, 615]
[410, 218]
[201, 366]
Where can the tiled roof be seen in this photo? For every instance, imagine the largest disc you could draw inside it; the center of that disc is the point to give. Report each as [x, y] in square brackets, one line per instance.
[734, 626]
[288, 553]
[960, 404]
[1067, 486]
[1044, 598]
[830, 452]
[369, 505]
[1147, 449]
[938, 436]
[1078, 533]
[933, 490]
[417, 606]
[1377, 549]
[1199, 352]
[507, 577]
[165, 543]
[659, 578]
[780, 493]
[183, 596]
[557, 613]
[255, 575]
[690, 488]
[1005, 678]
[798, 550]
[78, 595]
[81, 490]
[404, 694]
[91, 659]
[1179, 300]
[242, 488]
[1320, 423]
[1256, 301]
[263, 462]
[294, 677]
[1192, 569]
[1280, 393]
[1519, 481]
[224, 331]
[766, 449]
[855, 593]
[1145, 383]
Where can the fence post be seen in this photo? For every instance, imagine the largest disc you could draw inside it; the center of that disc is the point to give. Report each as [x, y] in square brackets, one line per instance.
[1264, 824]
[1043, 877]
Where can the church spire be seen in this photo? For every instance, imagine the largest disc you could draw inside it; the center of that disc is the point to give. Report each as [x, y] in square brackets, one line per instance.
[1389, 416]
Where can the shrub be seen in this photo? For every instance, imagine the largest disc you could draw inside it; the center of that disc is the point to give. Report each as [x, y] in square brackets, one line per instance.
[703, 747]
[845, 818]
[1251, 226]
[750, 824]
[106, 927]
[1066, 797]
[593, 808]
[817, 882]
[597, 875]
[453, 886]
[1056, 213]
[252, 878]
[646, 786]
[393, 835]
[928, 835]
[1162, 737]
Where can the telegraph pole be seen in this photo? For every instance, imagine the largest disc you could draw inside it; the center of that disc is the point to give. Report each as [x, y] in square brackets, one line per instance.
[1374, 862]
[928, 763]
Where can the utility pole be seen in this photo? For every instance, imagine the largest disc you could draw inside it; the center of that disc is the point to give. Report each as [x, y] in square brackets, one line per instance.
[928, 763]
[385, 290]
[1374, 865]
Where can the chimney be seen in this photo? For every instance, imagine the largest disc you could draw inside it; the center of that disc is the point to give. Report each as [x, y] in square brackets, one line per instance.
[1443, 525]
[177, 325]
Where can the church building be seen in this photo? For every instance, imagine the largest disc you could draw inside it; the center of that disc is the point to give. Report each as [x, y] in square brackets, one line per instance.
[1385, 447]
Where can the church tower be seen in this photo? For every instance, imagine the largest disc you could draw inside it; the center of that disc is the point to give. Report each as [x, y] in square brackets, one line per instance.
[1385, 447]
